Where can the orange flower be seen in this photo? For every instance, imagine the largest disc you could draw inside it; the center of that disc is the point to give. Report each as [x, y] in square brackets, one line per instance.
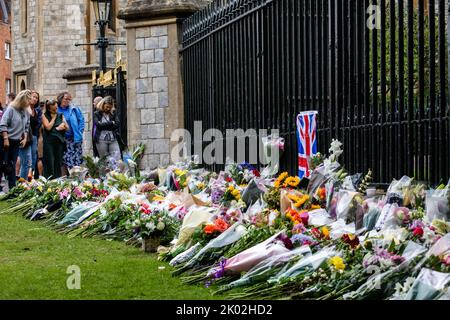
[221, 225]
[172, 206]
[321, 193]
[209, 229]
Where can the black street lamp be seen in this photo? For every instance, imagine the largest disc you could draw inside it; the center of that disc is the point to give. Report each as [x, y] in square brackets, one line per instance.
[102, 10]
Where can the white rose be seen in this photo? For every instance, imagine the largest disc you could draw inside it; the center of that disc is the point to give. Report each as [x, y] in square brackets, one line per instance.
[160, 226]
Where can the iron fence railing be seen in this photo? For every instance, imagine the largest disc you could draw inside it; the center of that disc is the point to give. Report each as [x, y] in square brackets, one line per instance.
[379, 82]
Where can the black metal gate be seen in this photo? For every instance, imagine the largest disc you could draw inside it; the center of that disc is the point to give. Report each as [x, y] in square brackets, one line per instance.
[116, 88]
[375, 70]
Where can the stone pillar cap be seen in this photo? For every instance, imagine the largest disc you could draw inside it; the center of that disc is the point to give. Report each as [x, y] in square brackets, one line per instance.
[142, 9]
[80, 72]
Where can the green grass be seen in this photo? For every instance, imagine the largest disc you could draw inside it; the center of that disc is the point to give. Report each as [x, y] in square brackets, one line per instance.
[34, 261]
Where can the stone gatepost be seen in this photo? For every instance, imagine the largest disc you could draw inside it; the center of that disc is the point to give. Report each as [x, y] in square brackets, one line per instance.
[154, 93]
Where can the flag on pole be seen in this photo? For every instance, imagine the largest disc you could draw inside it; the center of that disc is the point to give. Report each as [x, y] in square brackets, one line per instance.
[306, 140]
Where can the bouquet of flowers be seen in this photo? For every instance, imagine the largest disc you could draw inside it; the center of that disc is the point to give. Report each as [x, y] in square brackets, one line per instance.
[208, 231]
[153, 224]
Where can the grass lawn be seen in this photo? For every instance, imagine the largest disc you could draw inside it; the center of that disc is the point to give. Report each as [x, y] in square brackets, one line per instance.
[34, 262]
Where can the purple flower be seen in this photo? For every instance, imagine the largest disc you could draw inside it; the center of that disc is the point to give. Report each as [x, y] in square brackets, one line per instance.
[302, 239]
[299, 228]
[217, 195]
[417, 224]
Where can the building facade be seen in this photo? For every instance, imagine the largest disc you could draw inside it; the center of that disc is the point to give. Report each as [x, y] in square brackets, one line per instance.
[44, 34]
[5, 50]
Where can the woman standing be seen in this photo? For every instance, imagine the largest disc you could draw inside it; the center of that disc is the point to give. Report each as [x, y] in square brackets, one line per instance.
[106, 136]
[54, 139]
[14, 128]
[28, 155]
[73, 156]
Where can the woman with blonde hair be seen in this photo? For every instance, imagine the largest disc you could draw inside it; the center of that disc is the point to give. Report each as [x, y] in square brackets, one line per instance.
[106, 125]
[14, 129]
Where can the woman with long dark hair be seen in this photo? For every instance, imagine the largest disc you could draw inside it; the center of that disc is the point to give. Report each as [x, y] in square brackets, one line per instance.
[55, 127]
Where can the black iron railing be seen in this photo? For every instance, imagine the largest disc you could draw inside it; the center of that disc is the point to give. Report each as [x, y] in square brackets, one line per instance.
[381, 91]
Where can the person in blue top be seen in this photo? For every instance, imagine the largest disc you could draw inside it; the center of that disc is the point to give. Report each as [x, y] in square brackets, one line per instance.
[73, 155]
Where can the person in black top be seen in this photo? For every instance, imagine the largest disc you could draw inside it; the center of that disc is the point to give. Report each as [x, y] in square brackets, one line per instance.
[35, 124]
[55, 127]
[107, 139]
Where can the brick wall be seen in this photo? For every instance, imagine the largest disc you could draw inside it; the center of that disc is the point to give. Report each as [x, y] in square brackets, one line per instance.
[5, 64]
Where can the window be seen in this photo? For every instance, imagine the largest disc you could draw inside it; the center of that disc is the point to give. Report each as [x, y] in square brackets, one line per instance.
[24, 17]
[7, 50]
[8, 86]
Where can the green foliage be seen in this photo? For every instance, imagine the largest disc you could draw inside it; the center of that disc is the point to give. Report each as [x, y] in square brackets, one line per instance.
[426, 60]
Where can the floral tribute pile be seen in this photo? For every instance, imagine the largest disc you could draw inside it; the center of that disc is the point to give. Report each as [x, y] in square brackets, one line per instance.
[249, 235]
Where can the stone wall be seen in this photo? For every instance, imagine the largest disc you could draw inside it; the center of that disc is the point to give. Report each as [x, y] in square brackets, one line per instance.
[47, 52]
[152, 91]
[155, 103]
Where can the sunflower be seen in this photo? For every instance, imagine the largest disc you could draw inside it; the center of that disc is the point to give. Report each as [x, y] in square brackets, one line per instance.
[292, 182]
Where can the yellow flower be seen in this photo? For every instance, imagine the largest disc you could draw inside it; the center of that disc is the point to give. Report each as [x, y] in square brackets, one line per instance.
[277, 184]
[292, 181]
[283, 176]
[337, 262]
[325, 232]
[180, 172]
[49, 190]
[40, 188]
[201, 186]
[315, 207]
[299, 201]
[230, 189]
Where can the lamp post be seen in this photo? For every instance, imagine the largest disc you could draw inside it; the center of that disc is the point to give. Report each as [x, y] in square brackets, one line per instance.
[102, 10]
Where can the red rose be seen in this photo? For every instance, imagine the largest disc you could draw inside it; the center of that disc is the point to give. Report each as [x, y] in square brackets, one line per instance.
[316, 232]
[228, 179]
[418, 232]
[256, 173]
[351, 240]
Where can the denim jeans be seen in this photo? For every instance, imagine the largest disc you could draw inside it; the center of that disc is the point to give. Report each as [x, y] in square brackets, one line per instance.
[10, 156]
[25, 161]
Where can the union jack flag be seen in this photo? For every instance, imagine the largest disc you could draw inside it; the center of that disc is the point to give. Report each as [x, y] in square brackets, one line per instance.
[306, 141]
